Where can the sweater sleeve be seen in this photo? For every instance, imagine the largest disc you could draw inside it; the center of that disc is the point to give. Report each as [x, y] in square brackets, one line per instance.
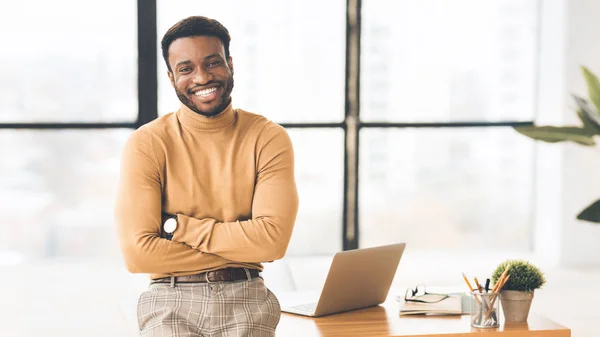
[138, 216]
[264, 237]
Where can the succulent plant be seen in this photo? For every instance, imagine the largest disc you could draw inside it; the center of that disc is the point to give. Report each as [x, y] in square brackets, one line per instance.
[524, 276]
[589, 115]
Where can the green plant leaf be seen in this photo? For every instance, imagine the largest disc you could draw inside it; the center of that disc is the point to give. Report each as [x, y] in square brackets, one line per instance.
[554, 134]
[588, 115]
[593, 86]
[524, 276]
[591, 213]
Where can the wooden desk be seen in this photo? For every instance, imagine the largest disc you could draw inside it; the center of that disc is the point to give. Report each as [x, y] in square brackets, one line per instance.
[385, 320]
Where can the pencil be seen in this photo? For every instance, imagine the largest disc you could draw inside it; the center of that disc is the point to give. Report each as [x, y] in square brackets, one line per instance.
[494, 299]
[468, 283]
[470, 288]
[500, 279]
[479, 287]
[504, 282]
[497, 287]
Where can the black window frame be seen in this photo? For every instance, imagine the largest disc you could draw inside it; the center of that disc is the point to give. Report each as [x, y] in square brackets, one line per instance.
[148, 107]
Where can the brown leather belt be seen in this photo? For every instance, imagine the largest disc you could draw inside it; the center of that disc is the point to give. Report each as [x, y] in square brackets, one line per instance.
[220, 275]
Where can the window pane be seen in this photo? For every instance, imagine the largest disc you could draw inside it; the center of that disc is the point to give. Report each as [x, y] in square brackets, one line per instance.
[446, 189]
[320, 179]
[59, 188]
[437, 60]
[57, 193]
[288, 57]
[77, 64]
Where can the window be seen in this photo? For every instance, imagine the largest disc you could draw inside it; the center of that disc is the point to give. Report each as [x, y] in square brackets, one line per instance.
[442, 67]
[319, 163]
[446, 189]
[52, 72]
[399, 119]
[285, 68]
[438, 61]
[58, 202]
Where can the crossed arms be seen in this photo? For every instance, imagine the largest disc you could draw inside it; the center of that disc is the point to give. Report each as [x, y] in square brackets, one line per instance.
[204, 243]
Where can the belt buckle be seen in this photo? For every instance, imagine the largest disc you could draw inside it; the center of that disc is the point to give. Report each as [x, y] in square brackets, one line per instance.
[231, 275]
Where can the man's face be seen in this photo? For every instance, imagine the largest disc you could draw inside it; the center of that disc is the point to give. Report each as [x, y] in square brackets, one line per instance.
[200, 73]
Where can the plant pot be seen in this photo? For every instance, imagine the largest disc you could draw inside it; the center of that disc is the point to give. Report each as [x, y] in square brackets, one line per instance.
[515, 305]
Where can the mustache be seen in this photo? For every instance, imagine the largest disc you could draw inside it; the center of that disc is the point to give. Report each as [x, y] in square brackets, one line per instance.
[206, 86]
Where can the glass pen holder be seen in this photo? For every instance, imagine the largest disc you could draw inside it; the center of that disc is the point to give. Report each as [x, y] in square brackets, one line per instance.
[485, 310]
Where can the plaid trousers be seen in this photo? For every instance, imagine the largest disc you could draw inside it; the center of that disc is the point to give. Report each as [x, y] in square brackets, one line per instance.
[232, 309]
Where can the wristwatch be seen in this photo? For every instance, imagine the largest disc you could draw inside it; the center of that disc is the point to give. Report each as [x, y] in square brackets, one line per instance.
[170, 226]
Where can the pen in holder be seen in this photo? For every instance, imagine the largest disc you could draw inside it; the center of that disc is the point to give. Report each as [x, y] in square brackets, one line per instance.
[485, 309]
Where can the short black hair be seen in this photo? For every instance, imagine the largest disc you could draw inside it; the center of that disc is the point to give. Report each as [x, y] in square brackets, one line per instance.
[194, 26]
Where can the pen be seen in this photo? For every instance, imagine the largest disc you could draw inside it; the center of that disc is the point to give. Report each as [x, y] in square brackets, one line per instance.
[487, 285]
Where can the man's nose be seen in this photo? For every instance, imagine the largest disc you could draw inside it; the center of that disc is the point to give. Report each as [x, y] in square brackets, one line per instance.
[202, 77]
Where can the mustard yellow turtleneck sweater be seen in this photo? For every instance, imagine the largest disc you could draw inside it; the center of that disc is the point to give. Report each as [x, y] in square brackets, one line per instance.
[230, 180]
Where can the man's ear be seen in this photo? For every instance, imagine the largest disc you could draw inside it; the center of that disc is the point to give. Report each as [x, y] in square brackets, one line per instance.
[171, 78]
[230, 64]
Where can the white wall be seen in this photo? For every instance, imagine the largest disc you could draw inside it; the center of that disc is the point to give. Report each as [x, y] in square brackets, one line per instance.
[568, 175]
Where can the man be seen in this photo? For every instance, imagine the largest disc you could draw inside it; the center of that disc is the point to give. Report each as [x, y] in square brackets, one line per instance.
[206, 195]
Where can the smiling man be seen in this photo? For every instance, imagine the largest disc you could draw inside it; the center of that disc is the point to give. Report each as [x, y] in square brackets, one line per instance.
[207, 194]
[206, 93]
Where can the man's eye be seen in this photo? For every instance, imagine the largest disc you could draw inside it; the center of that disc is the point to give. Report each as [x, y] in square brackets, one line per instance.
[214, 63]
[185, 70]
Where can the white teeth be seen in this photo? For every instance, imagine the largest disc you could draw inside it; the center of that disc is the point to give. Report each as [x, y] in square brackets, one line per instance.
[205, 92]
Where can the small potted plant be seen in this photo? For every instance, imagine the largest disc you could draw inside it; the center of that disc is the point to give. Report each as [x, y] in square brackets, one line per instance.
[517, 293]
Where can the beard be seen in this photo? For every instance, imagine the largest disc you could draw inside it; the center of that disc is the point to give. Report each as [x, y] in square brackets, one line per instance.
[224, 100]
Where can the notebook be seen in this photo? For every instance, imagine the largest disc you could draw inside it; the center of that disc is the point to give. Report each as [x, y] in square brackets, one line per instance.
[452, 305]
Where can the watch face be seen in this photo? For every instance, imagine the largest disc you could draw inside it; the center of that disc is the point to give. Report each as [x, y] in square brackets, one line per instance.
[170, 225]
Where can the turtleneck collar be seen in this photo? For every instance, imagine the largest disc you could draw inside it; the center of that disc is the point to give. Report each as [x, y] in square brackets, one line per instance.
[190, 118]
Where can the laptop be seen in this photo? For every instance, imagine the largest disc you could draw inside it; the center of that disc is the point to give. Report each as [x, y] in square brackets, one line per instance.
[357, 279]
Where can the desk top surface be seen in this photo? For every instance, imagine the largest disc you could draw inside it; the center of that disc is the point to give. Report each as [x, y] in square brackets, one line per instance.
[385, 320]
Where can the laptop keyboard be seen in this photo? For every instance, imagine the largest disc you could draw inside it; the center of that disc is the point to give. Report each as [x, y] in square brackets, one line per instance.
[308, 308]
